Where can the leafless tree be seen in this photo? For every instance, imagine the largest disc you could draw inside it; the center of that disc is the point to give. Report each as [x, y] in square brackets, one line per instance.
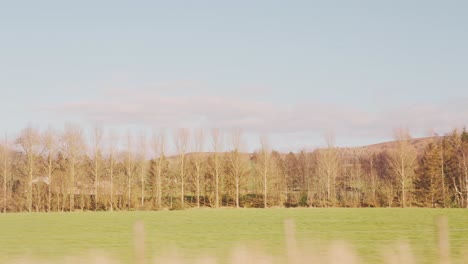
[50, 142]
[217, 144]
[402, 162]
[387, 187]
[73, 146]
[181, 143]
[328, 166]
[198, 148]
[372, 179]
[159, 151]
[129, 162]
[455, 166]
[355, 180]
[306, 175]
[6, 167]
[97, 138]
[278, 181]
[237, 164]
[142, 152]
[464, 165]
[442, 176]
[29, 140]
[112, 150]
[265, 158]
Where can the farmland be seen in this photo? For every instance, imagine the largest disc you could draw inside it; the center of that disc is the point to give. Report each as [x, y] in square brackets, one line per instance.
[207, 232]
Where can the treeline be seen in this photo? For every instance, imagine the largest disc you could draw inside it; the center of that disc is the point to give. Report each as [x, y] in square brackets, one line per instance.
[62, 171]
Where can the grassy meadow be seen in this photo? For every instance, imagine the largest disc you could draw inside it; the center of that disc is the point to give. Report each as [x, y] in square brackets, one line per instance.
[191, 234]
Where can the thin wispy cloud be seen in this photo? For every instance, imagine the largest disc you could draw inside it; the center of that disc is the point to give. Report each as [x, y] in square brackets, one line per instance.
[156, 109]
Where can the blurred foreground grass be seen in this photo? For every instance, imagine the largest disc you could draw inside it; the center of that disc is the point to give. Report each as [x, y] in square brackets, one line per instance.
[192, 234]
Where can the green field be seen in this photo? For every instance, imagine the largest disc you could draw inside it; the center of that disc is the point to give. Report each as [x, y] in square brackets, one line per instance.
[216, 232]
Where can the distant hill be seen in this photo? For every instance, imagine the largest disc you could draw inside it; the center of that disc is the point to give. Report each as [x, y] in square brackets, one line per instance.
[205, 155]
[418, 143]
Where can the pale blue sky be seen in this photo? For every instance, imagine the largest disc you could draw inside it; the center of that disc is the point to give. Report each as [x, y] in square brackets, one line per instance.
[289, 69]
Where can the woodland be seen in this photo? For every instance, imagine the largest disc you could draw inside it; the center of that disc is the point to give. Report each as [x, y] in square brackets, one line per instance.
[62, 171]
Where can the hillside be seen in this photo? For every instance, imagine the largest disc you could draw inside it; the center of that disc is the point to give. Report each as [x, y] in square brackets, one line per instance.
[418, 143]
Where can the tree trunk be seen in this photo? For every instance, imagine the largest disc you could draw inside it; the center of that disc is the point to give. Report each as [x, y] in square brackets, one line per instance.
[237, 191]
[402, 173]
[159, 194]
[111, 184]
[216, 181]
[49, 185]
[265, 198]
[182, 172]
[373, 183]
[198, 186]
[129, 191]
[96, 182]
[458, 193]
[442, 178]
[72, 192]
[142, 186]
[465, 170]
[30, 172]
[5, 170]
[328, 189]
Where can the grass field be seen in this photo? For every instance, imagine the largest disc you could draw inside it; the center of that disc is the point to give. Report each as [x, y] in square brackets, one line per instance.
[205, 232]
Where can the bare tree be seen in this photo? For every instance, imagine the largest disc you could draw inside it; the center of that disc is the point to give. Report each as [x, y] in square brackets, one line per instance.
[236, 163]
[28, 141]
[265, 158]
[97, 138]
[277, 182]
[49, 140]
[216, 140]
[198, 148]
[387, 187]
[142, 152]
[454, 166]
[181, 143]
[129, 162]
[6, 161]
[305, 175]
[372, 180]
[355, 183]
[464, 165]
[402, 162]
[328, 166]
[73, 145]
[112, 149]
[159, 150]
[442, 175]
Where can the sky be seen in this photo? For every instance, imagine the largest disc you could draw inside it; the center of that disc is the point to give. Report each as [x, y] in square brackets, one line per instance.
[291, 71]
